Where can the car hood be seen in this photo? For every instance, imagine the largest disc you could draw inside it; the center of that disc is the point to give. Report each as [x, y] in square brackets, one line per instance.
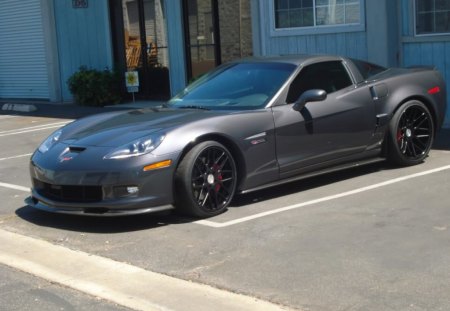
[118, 128]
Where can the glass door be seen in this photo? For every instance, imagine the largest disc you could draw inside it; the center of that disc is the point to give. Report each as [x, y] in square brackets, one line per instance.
[143, 27]
[201, 36]
[216, 31]
[156, 52]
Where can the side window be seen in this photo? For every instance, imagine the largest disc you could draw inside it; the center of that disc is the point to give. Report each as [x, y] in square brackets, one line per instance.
[328, 76]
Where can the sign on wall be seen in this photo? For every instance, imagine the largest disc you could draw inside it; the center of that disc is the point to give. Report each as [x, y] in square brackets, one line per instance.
[79, 4]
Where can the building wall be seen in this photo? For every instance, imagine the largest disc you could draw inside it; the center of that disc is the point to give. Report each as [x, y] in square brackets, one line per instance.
[268, 42]
[387, 38]
[347, 44]
[83, 39]
[383, 32]
[430, 50]
[23, 63]
[375, 39]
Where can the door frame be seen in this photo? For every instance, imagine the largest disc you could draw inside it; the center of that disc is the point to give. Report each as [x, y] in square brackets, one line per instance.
[118, 42]
[187, 44]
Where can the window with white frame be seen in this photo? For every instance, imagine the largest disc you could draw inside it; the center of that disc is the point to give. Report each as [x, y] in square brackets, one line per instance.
[311, 13]
[432, 16]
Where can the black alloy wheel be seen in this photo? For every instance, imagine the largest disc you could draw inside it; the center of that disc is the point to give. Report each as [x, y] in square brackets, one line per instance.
[411, 134]
[205, 180]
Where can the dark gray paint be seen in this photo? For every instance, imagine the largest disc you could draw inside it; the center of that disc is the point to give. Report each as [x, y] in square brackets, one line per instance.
[348, 126]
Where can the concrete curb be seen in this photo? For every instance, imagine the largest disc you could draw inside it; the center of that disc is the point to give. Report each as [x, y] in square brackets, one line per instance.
[122, 283]
[19, 107]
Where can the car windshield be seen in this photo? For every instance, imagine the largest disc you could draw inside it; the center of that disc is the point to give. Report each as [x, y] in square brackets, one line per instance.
[235, 86]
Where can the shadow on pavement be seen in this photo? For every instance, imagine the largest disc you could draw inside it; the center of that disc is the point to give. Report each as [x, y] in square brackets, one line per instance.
[149, 221]
[442, 142]
[121, 224]
[93, 224]
[309, 183]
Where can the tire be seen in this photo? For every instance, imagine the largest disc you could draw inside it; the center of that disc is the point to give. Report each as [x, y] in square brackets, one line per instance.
[205, 180]
[411, 134]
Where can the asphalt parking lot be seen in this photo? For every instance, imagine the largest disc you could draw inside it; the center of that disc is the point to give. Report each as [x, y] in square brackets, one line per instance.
[371, 238]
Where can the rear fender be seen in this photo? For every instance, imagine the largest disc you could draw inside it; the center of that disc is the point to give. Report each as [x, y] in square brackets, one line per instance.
[407, 87]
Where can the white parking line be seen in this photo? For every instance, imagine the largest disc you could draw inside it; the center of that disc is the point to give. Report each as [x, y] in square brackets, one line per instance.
[33, 128]
[7, 117]
[16, 157]
[214, 224]
[15, 187]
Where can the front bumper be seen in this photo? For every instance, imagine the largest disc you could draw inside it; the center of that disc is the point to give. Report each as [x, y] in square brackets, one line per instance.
[89, 185]
[41, 203]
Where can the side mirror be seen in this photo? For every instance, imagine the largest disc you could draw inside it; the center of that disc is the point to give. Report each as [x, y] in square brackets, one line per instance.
[309, 96]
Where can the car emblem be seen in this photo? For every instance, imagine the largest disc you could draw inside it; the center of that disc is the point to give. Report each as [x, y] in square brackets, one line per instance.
[66, 155]
[257, 139]
[64, 159]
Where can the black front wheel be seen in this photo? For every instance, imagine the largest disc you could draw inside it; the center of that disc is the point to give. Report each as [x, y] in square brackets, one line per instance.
[205, 180]
[411, 134]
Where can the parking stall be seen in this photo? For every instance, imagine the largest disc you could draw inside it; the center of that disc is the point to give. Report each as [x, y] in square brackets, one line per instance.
[360, 237]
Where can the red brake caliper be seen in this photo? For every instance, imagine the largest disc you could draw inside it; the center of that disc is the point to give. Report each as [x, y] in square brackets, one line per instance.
[399, 135]
[219, 177]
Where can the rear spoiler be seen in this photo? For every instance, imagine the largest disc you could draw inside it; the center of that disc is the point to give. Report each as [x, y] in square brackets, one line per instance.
[421, 68]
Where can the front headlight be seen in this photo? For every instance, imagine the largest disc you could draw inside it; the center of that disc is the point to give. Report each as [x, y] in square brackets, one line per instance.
[136, 148]
[50, 141]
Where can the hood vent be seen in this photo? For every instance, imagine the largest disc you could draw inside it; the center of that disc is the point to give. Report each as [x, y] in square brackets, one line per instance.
[76, 149]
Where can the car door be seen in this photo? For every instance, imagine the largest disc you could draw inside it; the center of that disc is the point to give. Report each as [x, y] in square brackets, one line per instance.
[324, 132]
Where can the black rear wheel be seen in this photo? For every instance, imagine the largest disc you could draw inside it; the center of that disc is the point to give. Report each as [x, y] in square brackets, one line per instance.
[205, 180]
[411, 134]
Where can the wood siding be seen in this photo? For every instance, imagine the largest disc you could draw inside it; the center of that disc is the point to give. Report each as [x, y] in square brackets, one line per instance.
[425, 50]
[351, 44]
[432, 54]
[84, 39]
[345, 44]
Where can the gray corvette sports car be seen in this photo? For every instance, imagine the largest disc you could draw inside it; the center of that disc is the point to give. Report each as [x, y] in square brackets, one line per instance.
[245, 126]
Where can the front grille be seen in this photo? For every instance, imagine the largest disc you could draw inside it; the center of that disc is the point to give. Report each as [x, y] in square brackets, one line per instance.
[76, 194]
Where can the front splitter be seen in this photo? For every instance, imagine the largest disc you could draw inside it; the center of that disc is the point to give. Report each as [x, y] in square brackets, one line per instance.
[100, 212]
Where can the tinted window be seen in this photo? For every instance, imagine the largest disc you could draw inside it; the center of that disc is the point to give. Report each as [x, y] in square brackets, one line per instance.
[309, 13]
[432, 16]
[329, 76]
[236, 86]
[367, 70]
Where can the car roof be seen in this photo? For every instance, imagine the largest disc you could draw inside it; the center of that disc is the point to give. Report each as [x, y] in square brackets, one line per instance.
[297, 60]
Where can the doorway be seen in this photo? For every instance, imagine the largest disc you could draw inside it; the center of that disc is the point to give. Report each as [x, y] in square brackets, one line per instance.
[141, 44]
[202, 36]
[215, 31]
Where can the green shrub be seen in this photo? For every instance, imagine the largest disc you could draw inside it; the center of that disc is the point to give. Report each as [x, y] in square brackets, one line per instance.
[92, 87]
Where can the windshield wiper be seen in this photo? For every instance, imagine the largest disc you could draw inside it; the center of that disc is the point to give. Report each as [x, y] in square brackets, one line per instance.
[193, 107]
